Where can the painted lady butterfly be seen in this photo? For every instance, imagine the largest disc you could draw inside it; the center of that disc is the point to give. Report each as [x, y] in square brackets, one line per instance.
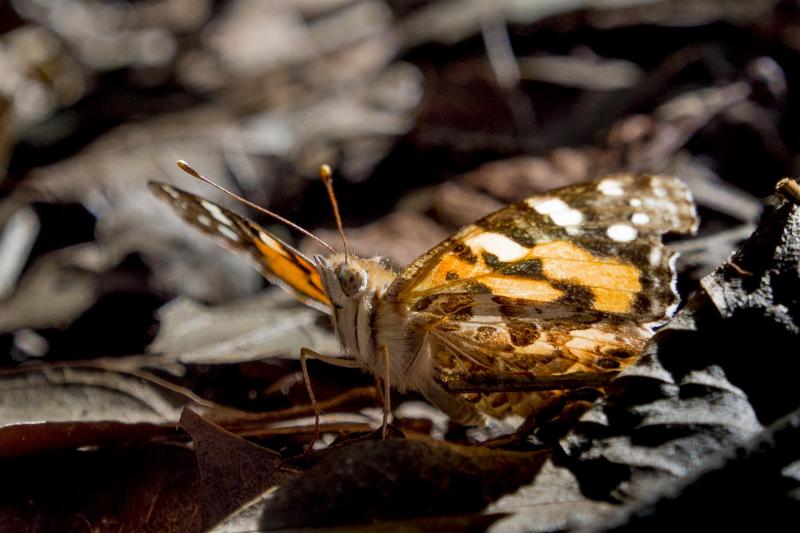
[568, 283]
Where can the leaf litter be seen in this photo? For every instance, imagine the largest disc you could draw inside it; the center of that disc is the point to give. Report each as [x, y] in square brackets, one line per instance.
[205, 431]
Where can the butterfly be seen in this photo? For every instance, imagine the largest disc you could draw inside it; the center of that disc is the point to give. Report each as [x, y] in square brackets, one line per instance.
[571, 282]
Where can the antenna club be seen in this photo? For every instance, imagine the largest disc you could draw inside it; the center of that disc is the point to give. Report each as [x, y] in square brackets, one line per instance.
[183, 165]
[325, 172]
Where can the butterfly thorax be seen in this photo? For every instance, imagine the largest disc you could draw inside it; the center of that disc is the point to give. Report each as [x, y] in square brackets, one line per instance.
[354, 287]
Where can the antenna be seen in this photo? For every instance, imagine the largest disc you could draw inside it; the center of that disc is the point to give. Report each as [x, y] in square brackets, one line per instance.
[183, 165]
[325, 173]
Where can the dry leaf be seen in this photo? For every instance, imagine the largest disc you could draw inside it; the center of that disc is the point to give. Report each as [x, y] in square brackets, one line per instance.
[393, 479]
[271, 324]
[56, 289]
[16, 239]
[54, 407]
[151, 488]
[232, 470]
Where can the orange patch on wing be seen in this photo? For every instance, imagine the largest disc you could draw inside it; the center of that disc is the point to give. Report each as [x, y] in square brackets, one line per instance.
[448, 263]
[286, 269]
[613, 282]
[613, 301]
[528, 289]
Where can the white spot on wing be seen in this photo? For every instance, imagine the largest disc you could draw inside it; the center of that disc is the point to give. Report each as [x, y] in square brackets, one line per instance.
[228, 233]
[546, 207]
[673, 260]
[595, 334]
[621, 233]
[560, 213]
[265, 238]
[610, 187]
[661, 192]
[504, 248]
[673, 284]
[216, 212]
[655, 256]
[540, 348]
[640, 218]
[581, 343]
[204, 220]
[170, 191]
[570, 217]
[635, 202]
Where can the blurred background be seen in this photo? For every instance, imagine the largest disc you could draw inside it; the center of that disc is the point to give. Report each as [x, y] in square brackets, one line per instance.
[432, 114]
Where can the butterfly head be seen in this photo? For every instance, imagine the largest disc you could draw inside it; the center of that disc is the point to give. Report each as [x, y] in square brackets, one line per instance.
[343, 280]
[352, 286]
[352, 279]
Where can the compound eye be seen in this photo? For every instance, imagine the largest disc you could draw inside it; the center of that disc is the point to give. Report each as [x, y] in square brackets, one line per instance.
[352, 279]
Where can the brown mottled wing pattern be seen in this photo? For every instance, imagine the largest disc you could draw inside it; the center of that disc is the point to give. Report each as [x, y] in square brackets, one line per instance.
[277, 261]
[571, 280]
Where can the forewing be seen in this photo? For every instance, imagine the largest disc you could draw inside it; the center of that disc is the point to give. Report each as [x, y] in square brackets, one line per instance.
[572, 280]
[277, 261]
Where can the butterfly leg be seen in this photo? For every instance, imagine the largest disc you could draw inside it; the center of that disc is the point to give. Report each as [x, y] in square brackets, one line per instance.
[387, 399]
[305, 352]
[335, 361]
[379, 387]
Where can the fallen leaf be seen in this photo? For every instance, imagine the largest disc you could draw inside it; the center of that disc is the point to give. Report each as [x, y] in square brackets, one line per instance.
[16, 240]
[267, 325]
[56, 289]
[553, 502]
[714, 497]
[394, 479]
[54, 407]
[150, 488]
[232, 470]
[756, 295]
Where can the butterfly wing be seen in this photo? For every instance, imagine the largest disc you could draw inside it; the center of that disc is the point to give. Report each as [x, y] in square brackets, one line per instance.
[277, 261]
[573, 280]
